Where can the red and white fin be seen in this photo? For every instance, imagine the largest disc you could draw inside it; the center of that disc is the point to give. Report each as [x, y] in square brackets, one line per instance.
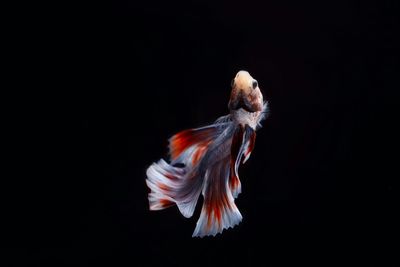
[179, 182]
[219, 211]
[192, 143]
[250, 140]
[243, 142]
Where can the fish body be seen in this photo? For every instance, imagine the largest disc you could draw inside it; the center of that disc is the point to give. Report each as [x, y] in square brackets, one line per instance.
[206, 160]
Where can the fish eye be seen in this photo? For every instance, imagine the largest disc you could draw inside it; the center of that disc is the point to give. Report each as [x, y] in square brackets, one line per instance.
[255, 84]
[232, 82]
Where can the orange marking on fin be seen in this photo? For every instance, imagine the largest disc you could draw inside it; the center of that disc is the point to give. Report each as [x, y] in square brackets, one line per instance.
[215, 207]
[200, 152]
[170, 176]
[252, 143]
[212, 208]
[208, 220]
[234, 180]
[183, 140]
[180, 142]
[217, 214]
[163, 186]
[165, 202]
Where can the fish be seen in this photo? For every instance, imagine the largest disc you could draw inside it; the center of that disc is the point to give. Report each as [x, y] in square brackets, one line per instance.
[205, 161]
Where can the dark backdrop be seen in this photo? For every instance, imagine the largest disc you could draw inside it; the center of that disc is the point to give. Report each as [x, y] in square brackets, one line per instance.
[316, 183]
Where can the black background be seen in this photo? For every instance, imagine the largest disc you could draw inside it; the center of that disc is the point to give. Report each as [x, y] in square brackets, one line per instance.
[318, 187]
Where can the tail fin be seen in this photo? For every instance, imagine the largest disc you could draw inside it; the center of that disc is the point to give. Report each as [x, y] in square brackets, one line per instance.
[222, 186]
[219, 211]
[180, 182]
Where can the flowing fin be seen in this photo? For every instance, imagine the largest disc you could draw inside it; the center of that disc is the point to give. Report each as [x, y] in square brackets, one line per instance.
[224, 119]
[180, 182]
[219, 211]
[188, 138]
[243, 142]
[237, 142]
[171, 185]
[264, 114]
[251, 142]
[199, 137]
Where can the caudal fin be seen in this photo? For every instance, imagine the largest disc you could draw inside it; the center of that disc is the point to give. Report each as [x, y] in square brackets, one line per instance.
[222, 186]
[219, 211]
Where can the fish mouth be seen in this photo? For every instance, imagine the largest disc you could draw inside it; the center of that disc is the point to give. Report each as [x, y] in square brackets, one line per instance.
[241, 102]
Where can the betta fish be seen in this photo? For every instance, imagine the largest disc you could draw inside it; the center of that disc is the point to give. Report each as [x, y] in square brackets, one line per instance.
[206, 160]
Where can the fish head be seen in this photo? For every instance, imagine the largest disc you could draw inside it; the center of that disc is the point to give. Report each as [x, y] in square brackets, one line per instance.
[245, 93]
